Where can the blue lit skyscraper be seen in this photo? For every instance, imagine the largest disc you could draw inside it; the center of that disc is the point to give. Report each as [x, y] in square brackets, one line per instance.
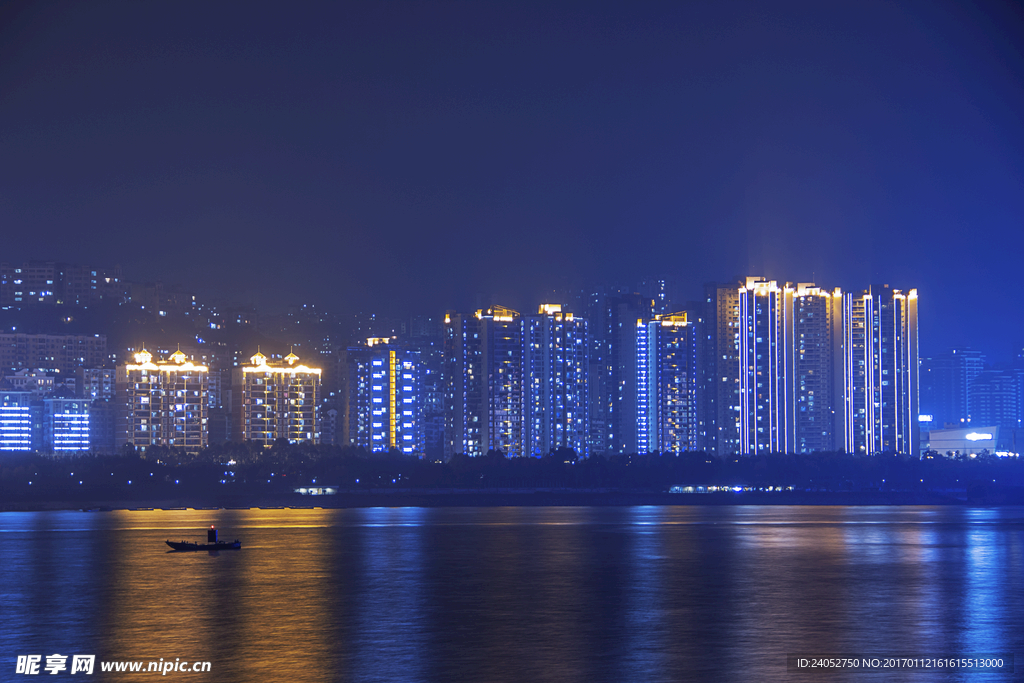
[384, 397]
[555, 381]
[880, 357]
[817, 383]
[782, 371]
[765, 364]
[613, 371]
[667, 380]
[463, 389]
[484, 382]
[501, 345]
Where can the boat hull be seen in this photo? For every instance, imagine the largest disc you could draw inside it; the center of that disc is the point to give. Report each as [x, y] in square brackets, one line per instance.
[187, 546]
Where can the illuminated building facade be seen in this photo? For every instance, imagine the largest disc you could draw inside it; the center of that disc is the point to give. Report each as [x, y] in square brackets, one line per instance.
[765, 365]
[162, 403]
[483, 379]
[66, 425]
[749, 358]
[385, 397]
[971, 441]
[881, 374]
[667, 382]
[16, 420]
[721, 361]
[463, 386]
[777, 378]
[613, 381]
[501, 345]
[276, 400]
[818, 380]
[555, 382]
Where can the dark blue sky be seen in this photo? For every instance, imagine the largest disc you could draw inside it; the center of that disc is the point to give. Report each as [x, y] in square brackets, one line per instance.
[404, 157]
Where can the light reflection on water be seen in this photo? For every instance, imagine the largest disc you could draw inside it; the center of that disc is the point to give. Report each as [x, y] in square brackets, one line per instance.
[512, 594]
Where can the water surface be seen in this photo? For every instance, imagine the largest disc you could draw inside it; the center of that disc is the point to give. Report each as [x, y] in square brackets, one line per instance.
[515, 594]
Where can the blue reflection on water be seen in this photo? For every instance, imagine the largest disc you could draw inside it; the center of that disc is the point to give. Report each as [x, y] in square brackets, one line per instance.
[510, 594]
[389, 632]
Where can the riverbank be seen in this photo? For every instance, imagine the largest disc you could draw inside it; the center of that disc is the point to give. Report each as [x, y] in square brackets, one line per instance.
[535, 497]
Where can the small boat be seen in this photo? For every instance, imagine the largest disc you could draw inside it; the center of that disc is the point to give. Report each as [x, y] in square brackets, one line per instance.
[211, 543]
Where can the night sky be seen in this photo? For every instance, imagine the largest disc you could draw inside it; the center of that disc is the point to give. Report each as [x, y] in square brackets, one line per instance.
[408, 157]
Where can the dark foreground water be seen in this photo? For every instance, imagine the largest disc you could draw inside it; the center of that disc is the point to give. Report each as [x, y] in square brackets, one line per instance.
[515, 594]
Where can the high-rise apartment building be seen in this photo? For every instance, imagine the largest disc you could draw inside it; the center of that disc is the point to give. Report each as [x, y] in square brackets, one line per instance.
[995, 398]
[555, 382]
[881, 371]
[613, 379]
[432, 376]
[817, 384]
[162, 403]
[385, 397]
[483, 379]
[501, 363]
[721, 361]
[750, 358]
[656, 291]
[276, 400]
[946, 382]
[667, 384]
[793, 367]
[766, 400]
[463, 386]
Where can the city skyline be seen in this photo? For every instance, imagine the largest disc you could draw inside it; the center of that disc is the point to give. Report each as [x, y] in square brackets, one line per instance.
[180, 296]
[756, 367]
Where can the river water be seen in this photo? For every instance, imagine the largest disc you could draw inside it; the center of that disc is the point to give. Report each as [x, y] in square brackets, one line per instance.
[516, 594]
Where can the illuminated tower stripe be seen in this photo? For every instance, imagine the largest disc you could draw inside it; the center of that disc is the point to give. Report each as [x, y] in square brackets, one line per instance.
[392, 388]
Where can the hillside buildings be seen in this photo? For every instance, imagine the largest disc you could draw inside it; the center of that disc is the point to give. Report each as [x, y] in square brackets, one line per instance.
[47, 282]
[61, 353]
